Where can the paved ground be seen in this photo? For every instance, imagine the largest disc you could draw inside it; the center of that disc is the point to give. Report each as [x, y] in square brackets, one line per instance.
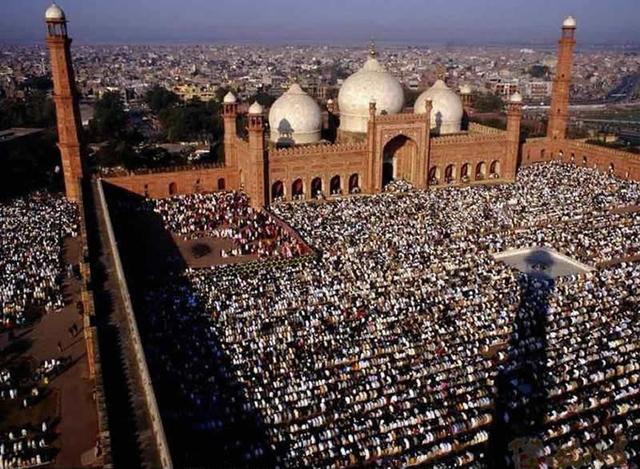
[542, 262]
[213, 257]
[78, 425]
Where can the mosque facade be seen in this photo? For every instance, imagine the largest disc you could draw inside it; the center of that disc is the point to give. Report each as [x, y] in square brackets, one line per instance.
[283, 156]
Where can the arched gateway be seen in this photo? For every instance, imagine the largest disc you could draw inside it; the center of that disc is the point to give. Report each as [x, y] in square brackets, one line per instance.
[399, 159]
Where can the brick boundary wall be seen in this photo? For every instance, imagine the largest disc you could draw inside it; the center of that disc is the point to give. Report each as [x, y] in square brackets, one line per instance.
[149, 394]
[90, 335]
[182, 180]
[623, 164]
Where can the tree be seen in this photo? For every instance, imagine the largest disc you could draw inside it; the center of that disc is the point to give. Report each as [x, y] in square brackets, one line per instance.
[109, 120]
[159, 99]
[263, 98]
[487, 102]
[36, 110]
[410, 96]
[194, 120]
[538, 71]
[221, 92]
[28, 163]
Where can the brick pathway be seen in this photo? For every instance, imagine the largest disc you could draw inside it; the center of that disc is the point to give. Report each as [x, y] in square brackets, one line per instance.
[78, 425]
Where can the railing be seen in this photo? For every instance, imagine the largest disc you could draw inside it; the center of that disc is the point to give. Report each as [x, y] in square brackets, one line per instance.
[484, 129]
[401, 117]
[149, 395]
[468, 138]
[106, 173]
[319, 149]
[590, 147]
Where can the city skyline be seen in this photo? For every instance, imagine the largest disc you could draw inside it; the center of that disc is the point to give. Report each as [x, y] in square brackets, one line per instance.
[332, 22]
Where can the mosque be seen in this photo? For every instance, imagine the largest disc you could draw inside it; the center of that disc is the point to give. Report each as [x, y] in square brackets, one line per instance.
[282, 155]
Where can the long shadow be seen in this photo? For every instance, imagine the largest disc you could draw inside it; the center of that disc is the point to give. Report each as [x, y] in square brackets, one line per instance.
[125, 450]
[207, 421]
[522, 400]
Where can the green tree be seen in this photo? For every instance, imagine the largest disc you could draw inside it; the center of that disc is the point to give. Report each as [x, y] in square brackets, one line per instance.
[221, 92]
[410, 96]
[194, 120]
[538, 71]
[36, 110]
[109, 120]
[263, 98]
[28, 163]
[159, 99]
[488, 102]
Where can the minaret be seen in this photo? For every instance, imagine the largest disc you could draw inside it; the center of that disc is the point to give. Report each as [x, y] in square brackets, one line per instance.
[229, 114]
[65, 97]
[467, 97]
[255, 165]
[559, 111]
[514, 119]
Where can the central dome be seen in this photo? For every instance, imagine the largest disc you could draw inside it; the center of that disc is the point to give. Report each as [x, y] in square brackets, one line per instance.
[372, 83]
[446, 111]
[295, 118]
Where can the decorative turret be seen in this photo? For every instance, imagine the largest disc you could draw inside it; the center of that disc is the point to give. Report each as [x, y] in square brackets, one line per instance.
[255, 165]
[230, 115]
[467, 97]
[56, 21]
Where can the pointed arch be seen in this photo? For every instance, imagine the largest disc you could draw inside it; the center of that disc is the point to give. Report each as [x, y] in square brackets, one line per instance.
[354, 183]
[297, 189]
[335, 186]
[277, 190]
[316, 187]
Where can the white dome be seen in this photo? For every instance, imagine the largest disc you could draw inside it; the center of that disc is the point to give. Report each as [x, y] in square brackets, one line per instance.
[256, 108]
[447, 110]
[465, 89]
[515, 98]
[229, 98]
[372, 83]
[54, 13]
[569, 22]
[295, 118]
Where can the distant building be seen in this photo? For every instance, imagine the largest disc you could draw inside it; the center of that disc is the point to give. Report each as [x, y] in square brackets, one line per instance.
[506, 87]
[190, 91]
[538, 90]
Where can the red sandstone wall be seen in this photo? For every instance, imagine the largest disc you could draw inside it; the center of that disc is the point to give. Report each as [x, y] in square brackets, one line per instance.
[472, 149]
[322, 161]
[625, 165]
[159, 184]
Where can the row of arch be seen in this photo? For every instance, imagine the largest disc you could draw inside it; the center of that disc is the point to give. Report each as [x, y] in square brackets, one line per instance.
[467, 172]
[317, 187]
[584, 161]
[221, 185]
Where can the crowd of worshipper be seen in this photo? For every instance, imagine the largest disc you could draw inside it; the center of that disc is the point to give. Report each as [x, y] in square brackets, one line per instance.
[227, 215]
[27, 445]
[32, 231]
[406, 343]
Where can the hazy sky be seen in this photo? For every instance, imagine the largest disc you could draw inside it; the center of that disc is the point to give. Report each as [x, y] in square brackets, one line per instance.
[327, 21]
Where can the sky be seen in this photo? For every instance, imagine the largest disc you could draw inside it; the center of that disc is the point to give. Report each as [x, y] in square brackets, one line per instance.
[418, 22]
